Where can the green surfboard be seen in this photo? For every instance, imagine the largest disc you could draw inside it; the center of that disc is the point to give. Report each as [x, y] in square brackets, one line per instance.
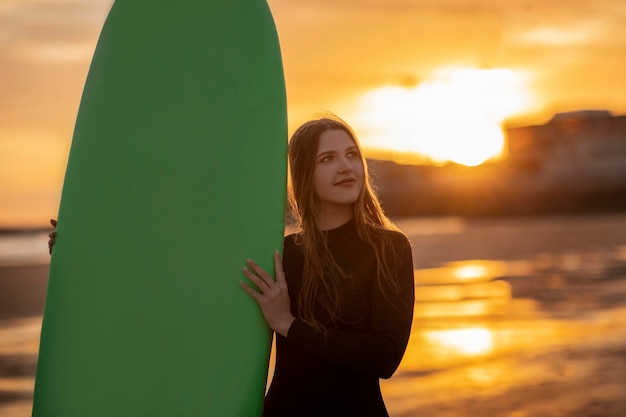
[176, 175]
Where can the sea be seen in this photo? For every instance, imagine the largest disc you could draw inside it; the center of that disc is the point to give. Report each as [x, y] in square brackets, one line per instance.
[512, 316]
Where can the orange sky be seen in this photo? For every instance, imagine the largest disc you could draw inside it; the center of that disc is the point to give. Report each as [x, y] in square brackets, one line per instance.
[559, 55]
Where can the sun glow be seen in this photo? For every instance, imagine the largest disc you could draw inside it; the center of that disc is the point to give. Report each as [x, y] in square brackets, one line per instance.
[455, 116]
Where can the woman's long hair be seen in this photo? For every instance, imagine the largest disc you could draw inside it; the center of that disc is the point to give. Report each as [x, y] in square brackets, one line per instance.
[321, 271]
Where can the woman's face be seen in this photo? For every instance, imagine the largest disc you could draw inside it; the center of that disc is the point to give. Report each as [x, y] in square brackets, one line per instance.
[338, 176]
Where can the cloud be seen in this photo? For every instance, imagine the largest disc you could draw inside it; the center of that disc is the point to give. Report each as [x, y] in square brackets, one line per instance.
[560, 36]
[56, 52]
[364, 6]
[48, 26]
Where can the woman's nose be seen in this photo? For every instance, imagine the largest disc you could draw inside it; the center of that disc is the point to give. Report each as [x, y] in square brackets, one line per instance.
[345, 166]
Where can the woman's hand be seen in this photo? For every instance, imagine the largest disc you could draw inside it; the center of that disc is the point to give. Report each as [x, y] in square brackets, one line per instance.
[52, 235]
[273, 297]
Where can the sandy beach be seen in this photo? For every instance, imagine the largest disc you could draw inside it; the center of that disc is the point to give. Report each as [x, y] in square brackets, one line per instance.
[514, 318]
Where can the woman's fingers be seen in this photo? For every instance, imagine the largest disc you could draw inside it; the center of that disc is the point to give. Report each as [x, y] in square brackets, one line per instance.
[260, 272]
[272, 297]
[250, 291]
[280, 273]
[263, 280]
[256, 279]
[52, 235]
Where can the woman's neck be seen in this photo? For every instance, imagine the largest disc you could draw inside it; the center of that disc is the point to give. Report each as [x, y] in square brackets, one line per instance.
[331, 216]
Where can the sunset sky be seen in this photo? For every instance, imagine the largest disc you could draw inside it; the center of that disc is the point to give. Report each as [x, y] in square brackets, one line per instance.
[409, 75]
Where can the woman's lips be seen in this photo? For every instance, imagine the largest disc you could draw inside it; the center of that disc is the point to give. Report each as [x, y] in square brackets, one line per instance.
[346, 183]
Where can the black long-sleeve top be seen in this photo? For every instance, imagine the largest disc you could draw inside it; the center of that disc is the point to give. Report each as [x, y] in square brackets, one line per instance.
[338, 374]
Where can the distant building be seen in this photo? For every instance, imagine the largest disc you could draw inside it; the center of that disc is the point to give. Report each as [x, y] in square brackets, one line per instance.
[575, 162]
[582, 149]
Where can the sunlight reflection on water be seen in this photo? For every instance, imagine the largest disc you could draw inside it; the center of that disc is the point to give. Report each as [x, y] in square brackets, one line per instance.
[465, 311]
[27, 248]
[473, 341]
[462, 272]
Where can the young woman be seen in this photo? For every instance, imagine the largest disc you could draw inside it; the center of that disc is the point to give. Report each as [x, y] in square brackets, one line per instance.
[342, 301]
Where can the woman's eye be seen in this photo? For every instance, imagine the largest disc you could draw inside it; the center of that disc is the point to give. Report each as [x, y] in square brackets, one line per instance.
[353, 154]
[325, 159]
